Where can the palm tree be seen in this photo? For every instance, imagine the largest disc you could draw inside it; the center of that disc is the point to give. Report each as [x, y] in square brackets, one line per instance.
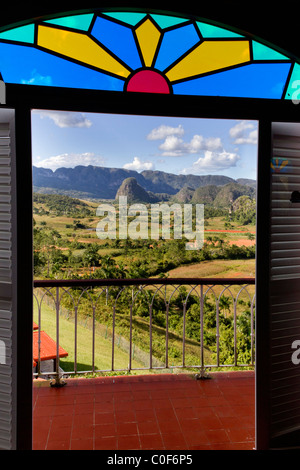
[224, 303]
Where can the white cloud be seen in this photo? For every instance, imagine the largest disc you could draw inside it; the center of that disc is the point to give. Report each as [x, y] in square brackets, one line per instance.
[138, 165]
[38, 79]
[252, 138]
[198, 142]
[70, 160]
[66, 119]
[173, 146]
[241, 135]
[213, 161]
[163, 131]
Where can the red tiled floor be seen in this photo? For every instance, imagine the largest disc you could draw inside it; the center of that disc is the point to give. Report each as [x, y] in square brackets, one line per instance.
[159, 411]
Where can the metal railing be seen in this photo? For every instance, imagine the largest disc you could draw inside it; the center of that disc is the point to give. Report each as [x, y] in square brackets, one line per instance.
[166, 323]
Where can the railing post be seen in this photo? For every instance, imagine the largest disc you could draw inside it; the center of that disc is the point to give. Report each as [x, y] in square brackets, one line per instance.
[113, 340]
[167, 337]
[235, 333]
[39, 337]
[130, 340]
[183, 335]
[93, 346]
[75, 338]
[218, 332]
[252, 334]
[150, 333]
[58, 381]
[202, 374]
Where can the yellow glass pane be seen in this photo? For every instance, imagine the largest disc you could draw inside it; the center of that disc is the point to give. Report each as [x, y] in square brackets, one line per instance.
[148, 37]
[79, 47]
[210, 56]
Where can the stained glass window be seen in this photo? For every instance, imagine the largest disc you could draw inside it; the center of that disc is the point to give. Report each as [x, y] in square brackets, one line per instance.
[145, 52]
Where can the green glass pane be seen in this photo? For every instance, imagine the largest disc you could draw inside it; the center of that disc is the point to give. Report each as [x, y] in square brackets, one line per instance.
[81, 22]
[164, 21]
[129, 18]
[262, 52]
[20, 34]
[211, 31]
[293, 89]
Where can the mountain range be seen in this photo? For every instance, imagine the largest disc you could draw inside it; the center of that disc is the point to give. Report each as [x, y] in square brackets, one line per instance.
[104, 183]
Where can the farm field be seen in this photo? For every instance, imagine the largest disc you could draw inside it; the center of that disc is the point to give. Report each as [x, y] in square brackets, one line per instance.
[66, 247]
[216, 268]
[64, 239]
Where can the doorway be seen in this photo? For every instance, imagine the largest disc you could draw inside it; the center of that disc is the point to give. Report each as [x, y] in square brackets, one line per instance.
[173, 140]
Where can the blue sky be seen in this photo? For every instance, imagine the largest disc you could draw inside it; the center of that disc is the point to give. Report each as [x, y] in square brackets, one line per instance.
[174, 145]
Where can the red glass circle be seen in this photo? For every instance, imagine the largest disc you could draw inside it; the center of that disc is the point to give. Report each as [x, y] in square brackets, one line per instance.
[148, 81]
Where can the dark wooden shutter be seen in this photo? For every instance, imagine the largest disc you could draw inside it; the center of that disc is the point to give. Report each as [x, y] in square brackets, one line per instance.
[285, 286]
[7, 284]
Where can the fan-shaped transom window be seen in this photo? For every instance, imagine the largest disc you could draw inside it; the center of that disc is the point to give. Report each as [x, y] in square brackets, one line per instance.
[145, 52]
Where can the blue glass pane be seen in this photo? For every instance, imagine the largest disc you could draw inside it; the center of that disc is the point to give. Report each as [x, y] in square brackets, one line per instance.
[26, 65]
[119, 39]
[249, 81]
[174, 44]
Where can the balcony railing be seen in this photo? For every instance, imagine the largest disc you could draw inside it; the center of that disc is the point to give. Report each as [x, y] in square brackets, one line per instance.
[145, 324]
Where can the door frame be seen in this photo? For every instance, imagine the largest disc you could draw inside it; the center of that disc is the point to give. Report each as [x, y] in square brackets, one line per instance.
[24, 98]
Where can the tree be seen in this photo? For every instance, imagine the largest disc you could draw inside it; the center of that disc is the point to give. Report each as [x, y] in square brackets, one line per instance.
[90, 255]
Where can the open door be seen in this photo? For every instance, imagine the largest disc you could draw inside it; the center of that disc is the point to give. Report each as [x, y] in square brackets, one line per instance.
[7, 281]
[284, 380]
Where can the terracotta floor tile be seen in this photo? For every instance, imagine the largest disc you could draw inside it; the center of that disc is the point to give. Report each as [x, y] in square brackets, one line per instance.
[196, 438]
[159, 411]
[105, 430]
[103, 407]
[83, 408]
[217, 436]
[126, 429]
[129, 443]
[240, 434]
[123, 396]
[145, 415]
[151, 441]
[64, 410]
[143, 404]
[125, 416]
[82, 444]
[85, 431]
[185, 413]
[105, 443]
[210, 422]
[169, 426]
[104, 418]
[167, 414]
[148, 427]
[174, 440]
[58, 445]
[83, 419]
[191, 425]
[47, 411]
